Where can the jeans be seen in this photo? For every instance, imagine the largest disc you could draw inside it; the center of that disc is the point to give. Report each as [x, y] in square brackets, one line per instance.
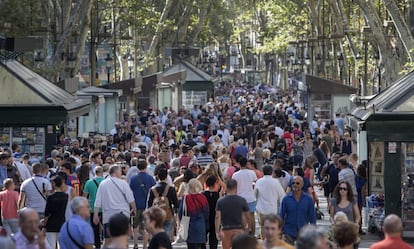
[11, 225]
[168, 226]
[52, 239]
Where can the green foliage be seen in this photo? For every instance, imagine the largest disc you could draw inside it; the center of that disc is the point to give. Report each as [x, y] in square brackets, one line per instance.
[23, 16]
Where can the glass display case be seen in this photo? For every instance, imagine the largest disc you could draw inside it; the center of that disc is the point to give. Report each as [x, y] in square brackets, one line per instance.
[407, 189]
[30, 139]
[322, 106]
[5, 137]
[191, 98]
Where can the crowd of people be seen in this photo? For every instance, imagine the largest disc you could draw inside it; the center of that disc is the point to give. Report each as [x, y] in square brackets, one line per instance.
[223, 164]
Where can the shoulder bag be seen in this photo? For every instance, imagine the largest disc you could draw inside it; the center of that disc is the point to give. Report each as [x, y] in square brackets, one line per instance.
[38, 190]
[71, 237]
[120, 190]
[184, 222]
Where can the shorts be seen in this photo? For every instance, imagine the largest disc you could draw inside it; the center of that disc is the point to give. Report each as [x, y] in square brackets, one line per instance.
[138, 218]
[252, 206]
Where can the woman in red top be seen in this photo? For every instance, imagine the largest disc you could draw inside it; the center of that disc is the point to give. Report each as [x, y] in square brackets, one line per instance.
[8, 202]
[289, 139]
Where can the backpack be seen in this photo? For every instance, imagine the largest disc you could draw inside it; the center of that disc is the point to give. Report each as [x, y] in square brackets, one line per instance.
[162, 201]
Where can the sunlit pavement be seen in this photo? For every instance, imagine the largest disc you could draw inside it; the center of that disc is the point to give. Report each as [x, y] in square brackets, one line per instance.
[366, 240]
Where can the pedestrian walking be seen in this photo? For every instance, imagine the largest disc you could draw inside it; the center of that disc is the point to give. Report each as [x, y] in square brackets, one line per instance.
[296, 210]
[154, 218]
[392, 229]
[114, 196]
[140, 185]
[54, 213]
[30, 236]
[232, 215]
[8, 201]
[269, 193]
[198, 211]
[272, 231]
[77, 232]
[89, 191]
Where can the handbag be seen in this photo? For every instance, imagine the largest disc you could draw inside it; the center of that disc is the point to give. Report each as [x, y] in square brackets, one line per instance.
[184, 223]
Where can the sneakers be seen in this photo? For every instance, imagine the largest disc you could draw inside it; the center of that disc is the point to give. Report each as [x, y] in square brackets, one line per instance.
[178, 240]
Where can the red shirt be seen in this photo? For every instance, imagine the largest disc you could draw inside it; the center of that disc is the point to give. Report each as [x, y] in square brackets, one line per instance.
[8, 201]
[288, 140]
[391, 243]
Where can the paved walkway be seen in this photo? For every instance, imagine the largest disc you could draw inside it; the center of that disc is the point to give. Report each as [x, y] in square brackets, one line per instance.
[366, 240]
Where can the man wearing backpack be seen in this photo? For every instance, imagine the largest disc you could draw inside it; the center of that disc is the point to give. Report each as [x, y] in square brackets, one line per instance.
[160, 195]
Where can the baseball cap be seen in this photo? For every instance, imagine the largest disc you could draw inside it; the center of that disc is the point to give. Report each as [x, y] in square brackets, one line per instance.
[136, 149]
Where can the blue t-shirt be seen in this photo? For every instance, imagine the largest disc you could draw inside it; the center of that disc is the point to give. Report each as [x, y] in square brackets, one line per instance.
[140, 185]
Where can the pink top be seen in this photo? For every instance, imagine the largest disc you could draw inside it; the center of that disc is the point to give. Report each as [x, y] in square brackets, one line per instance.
[8, 201]
[307, 173]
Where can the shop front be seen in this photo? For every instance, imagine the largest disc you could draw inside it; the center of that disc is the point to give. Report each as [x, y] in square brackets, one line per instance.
[382, 128]
[33, 111]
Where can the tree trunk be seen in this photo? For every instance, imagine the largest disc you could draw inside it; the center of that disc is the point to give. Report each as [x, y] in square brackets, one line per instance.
[203, 12]
[391, 65]
[85, 19]
[160, 27]
[183, 22]
[401, 27]
[66, 33]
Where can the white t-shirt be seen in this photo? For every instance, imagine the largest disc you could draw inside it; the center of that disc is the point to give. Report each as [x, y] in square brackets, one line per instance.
[269, 192]
[111, 198]
[33, 196]
[245, 179]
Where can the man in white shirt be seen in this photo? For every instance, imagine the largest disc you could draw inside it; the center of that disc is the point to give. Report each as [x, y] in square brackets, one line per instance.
[269, 193]
[114, 196]
[245, 179]
[225, 134]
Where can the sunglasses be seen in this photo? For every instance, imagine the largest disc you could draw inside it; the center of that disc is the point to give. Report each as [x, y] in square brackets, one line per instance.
[296, 183]
[344, 189]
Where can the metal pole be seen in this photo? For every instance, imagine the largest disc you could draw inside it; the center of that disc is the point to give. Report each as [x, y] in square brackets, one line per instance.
[365, 83]
[379, 78]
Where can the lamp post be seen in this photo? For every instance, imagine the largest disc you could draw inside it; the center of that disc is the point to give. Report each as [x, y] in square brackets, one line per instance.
[130, 65]
[108, 61]
[377, 57]
[341, 64]
[318, 59]
[71, 62]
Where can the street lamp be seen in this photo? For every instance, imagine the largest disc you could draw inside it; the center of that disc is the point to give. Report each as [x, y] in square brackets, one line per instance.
[318, 59]
[377, 57]
[341, 64]
[71, 62]
[108, 62]
[130, 65]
